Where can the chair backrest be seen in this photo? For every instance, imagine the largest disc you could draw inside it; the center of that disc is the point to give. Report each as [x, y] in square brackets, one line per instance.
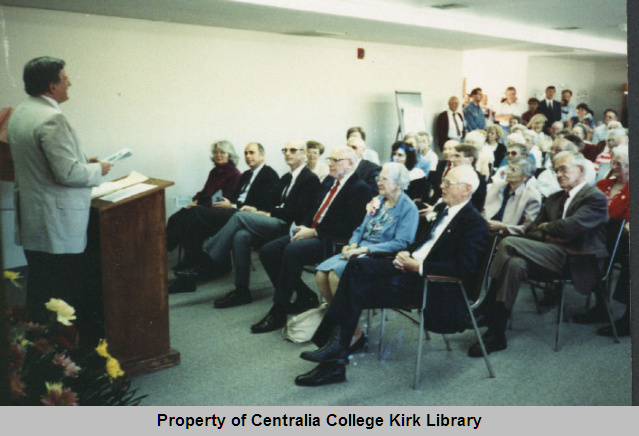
[614, 231]
[478, 291]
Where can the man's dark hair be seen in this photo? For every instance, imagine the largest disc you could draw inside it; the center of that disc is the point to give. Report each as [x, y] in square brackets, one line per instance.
[533, 100]
[356, 129]
[475, 91]
[551, 87]
[468, 150]
[40, 73]
[568, 91]
[575, 140]
[613, 111]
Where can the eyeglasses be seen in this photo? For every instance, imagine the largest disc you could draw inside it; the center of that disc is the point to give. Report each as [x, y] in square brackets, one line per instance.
[447, 183]
[381, 179]
[332, 160]
[291, 150]
[513, 153]
[563, 169]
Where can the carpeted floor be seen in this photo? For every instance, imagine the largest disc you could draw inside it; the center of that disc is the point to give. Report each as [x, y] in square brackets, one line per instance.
[223, 363]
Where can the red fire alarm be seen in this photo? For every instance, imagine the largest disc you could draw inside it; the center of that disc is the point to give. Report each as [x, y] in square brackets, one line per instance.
[360, 53]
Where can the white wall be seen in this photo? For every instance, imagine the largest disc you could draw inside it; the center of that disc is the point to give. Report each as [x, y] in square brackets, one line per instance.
[169, 90]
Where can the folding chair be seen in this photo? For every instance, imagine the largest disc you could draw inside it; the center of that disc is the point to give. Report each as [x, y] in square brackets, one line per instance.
[614, 230]
[480, 291]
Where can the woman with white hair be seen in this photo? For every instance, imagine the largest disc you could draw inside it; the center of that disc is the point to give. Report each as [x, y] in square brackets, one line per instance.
[614, 138]
[532, 141]
[388, 227]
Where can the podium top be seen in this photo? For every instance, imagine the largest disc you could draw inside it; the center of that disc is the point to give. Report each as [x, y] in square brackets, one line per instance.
[101, 205]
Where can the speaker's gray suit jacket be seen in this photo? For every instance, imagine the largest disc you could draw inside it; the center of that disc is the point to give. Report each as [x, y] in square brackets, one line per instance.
[53, 179]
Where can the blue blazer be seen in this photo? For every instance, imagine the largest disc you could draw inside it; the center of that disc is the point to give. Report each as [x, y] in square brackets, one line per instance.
[398, 233]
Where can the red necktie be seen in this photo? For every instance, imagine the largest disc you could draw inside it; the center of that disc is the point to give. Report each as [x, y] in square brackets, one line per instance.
[456, 125]
[324, 205]
[447, 169]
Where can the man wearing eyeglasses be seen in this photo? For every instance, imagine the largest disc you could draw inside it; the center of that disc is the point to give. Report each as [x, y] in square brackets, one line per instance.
[340, 208]
[572, 219]
[450, 246]
[251, 226]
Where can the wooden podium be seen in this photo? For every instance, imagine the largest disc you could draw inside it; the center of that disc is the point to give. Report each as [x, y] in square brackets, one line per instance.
[128, 265]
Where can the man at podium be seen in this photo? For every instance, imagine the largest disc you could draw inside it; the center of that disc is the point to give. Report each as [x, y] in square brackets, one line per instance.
[53, 193]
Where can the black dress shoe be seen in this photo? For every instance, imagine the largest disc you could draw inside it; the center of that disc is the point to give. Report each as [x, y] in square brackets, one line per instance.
[234, 298]
[183, 284]
[596, 314]
[322, 374]
[274, 320]
[303, 303]
[492, 342]
[359, 344]
[332, 351]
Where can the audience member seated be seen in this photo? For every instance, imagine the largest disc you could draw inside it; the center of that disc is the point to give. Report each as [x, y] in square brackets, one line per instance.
[314, 152]
[533, 109]
[555, 128]
[443, 167]
[493, 140]
[537, 123]
[369, 154]
[584, 116]
[389, 227]
[466, 154]
[340, 209]
[423, 164]
[252, 227]
[365, 169]
[223, 177]
[512, 205]
[590, 150]
[614, 138]
[515, 151]
[405, 154]
[600, 131]
[257, 187]
[514, 120]
[616, 190]
[451, 245]
[424, 143]
[485, 154]
[532, 139]
[572, 219]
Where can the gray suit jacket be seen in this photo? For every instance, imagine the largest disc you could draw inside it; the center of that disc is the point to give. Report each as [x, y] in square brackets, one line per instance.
[53, 179]
[584, 227]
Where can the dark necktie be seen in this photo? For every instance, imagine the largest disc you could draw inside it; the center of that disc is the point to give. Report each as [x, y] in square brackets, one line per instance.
[440, 217]
[285, 191]
[562, 204]
[324, 205]
[500, 213]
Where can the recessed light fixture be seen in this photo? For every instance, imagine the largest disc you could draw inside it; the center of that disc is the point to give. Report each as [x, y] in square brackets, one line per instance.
[449, 6]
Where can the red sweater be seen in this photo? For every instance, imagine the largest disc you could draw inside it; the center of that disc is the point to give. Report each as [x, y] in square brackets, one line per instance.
[224, 177]
[619, 205]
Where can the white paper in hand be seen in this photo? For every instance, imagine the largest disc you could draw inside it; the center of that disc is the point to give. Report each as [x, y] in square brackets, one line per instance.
[119, 155]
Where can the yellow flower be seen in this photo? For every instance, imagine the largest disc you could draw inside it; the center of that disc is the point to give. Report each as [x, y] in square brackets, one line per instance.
[113, 368]
[102, 348]
[13, 276]
[53, 387]
[65, 313]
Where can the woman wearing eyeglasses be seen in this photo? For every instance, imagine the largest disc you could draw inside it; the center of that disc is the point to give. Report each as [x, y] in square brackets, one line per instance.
[223, 177]
[511, 205]
[388, 227]
[313, 152]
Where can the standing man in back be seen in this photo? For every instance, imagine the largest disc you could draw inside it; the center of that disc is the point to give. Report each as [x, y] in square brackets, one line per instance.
[53, 192]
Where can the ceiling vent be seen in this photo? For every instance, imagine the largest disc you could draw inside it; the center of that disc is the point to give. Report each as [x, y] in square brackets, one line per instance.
[568, 28]
[449, 6]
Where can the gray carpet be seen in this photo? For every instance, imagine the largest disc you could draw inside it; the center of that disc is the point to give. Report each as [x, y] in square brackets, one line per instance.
[223, 363]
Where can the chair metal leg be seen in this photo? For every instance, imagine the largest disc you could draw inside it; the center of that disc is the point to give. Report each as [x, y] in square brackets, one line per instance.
[381, 334]
[609, 312]
[560, 317]
[368, 329]
[477, 332]
[535, 298]
[447, 342]
[420, 342]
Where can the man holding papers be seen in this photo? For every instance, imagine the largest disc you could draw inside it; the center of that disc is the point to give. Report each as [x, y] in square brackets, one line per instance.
[53, 193]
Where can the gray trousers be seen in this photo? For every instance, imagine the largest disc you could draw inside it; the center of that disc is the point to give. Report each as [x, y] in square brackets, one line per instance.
[242, 232]
[518, 259]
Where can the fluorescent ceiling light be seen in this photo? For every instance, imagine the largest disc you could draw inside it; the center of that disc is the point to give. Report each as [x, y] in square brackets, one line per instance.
[445, 20]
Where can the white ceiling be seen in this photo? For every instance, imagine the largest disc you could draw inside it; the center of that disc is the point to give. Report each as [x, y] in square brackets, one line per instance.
[517, 25]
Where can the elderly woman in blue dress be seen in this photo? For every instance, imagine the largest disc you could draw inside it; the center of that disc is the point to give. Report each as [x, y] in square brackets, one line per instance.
[388, 227]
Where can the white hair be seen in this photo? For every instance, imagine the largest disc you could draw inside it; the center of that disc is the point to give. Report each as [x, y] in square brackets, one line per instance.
[398, 174]
[516, 138]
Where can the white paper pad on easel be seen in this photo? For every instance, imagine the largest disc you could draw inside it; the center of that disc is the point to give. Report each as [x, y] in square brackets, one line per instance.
[127, 192]
[108, 187]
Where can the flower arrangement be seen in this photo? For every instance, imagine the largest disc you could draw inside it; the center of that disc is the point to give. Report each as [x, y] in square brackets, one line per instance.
[47, 368]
